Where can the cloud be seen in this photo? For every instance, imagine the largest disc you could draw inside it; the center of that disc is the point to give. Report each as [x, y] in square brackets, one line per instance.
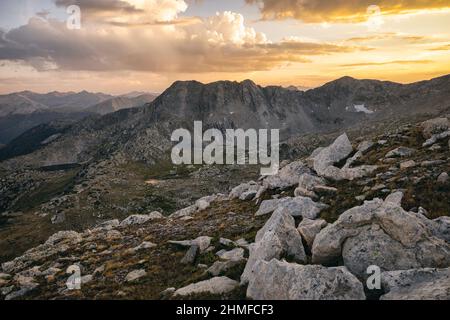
[127, 12]
[221, 43]
[314, 11]
[394, 36]
[445, 47]
[403, 62]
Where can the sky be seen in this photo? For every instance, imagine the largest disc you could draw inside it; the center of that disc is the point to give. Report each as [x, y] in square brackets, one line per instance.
[145, 45]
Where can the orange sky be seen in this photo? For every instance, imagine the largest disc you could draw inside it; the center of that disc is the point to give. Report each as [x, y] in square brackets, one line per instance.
[147, 44]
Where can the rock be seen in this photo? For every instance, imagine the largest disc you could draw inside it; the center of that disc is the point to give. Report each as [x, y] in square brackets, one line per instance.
[109, 225]
[277, 239]
[365, 146]
[310, 228]
[69, 236]
[443, 178]
[395, 198]
[112, 235]
[435, 147]
[145, 245]
[287, 176]
[407, 164]
[434, 126]
[297, 207]
[435, 138]
[248, 195]
[321, 190]
[205, 202]
[227, 242]
[99, 270]
[168, 293]
[308, 181]
[58, 218]
[200, 205]
[135, 275]
[277, 280]
[189, 211]
[382, 142]
[301, 192]
[382, 233]
[242, 243]
[235, 254]
[214, 286]
[56, 244]
[5, 276]
[238, 191]
[86, 279]
[140, 219]
[6, 290]
[191, 255]
[419, 284]
[220, 267]
[400, 152]
[432, 163]
[442, 227]
[338, 151]
[202, 242]
[21, 292]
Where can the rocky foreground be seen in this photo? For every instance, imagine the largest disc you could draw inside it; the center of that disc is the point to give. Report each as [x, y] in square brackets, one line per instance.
[310, 232]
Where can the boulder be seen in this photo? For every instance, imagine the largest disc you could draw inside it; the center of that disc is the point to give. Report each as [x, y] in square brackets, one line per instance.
[417, 284]
[296, 207]
[243, 188]
[135, 275]
[434, 126]
[407, 164]
[202, 242]
[220, 267]
[190, 255]
[435, 138]
[382, 233]
[336, 152]
[235, 254]
[442, 227]
[277, 239]
[185, 212]
[400, 152]
[308, 181]
[214, 286]
[310, 228]
[443, 178]
[57, 243]
[365, 146]
[288, 176]
[279, 280]
[138, 219]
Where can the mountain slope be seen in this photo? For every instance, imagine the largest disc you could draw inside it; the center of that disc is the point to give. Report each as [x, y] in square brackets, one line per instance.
[144, 134]
[119, 103]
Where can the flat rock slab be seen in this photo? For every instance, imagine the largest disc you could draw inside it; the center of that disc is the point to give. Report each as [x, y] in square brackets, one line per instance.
[280, 280]
[214, 286]
[419, 284]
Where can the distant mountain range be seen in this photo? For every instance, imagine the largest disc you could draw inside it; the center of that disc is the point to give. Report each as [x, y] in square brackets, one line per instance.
[143, 134]
[24, 110]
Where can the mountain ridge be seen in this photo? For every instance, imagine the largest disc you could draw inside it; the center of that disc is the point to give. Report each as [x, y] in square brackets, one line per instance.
[144, 134]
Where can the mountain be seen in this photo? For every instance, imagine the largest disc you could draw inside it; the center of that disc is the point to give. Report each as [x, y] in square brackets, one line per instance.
[144, 134]
[27, 102]
[25, 110]
[121, 102]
